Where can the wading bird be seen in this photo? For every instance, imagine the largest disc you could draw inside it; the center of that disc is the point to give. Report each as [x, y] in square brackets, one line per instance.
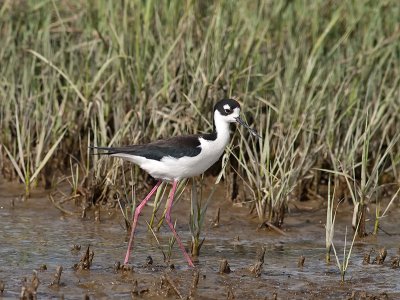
[176, 158]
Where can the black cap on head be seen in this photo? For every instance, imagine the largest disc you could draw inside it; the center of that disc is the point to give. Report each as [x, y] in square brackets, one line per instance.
[226, 106]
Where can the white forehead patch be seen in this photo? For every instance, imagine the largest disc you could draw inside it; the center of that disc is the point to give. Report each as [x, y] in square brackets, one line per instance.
[226, 106]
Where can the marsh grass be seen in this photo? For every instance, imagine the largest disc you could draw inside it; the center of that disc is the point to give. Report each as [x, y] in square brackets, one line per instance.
[330, 222]
[343, 264]
[319, 80]
[198, 210]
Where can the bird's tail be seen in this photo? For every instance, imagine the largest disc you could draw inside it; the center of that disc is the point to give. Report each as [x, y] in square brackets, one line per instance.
[100, 150]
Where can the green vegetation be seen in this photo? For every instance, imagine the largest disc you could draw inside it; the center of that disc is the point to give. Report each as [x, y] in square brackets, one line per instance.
[198, 209]
[320, 80]
[343, 266]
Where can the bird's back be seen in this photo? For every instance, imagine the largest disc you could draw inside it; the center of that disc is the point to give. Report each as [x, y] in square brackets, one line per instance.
[173, 158]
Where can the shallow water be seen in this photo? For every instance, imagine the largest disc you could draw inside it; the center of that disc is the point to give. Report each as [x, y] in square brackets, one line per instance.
[34, 233]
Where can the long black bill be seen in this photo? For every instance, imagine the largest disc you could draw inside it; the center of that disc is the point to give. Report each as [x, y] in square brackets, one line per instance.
[244, 124]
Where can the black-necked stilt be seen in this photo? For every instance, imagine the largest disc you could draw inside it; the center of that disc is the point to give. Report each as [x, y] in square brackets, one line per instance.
[180, 157]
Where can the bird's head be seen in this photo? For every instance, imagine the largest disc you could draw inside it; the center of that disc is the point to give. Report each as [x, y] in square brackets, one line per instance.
[228, 111]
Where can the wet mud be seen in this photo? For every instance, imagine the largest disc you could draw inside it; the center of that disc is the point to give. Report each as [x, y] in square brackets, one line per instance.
[47, 254]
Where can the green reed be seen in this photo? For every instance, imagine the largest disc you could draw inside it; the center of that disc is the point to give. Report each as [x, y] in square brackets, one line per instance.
[319, 80]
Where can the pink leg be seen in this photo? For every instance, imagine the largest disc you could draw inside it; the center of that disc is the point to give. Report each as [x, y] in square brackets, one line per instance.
[135, 219]
[171, 226]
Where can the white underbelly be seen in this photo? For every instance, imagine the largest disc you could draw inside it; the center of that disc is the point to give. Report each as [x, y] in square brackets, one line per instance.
[170, 168]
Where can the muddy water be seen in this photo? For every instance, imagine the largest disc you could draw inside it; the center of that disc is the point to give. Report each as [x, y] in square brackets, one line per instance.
[34, 233]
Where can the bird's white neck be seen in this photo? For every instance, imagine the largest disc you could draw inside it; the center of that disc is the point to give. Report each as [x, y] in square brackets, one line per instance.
[221, 127]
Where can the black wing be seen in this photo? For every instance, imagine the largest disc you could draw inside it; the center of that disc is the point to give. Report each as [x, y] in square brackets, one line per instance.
[176, 147]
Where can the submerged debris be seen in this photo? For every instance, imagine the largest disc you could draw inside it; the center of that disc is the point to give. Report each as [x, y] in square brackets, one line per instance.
[224, 267]
[91, 193]
[230, 295]
[215, 222]
[268, 224]
[117, 266]
[28, 290]
[395, 263]
[380, 258]
[149, 261]
[58, 205]
[85, 207]
[57, 276]
[301, 261]
[257, 267]
[367, 257]
[136, 291]
[195, 282]
[97, 214]
[364, 295]
[86, 260]
[170, 284]
[76, 248]
[121, 267]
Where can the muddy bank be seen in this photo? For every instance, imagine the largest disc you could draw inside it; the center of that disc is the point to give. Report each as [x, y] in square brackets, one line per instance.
[36, 236]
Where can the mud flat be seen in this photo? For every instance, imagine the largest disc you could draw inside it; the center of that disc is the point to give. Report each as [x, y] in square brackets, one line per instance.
[40, 247]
